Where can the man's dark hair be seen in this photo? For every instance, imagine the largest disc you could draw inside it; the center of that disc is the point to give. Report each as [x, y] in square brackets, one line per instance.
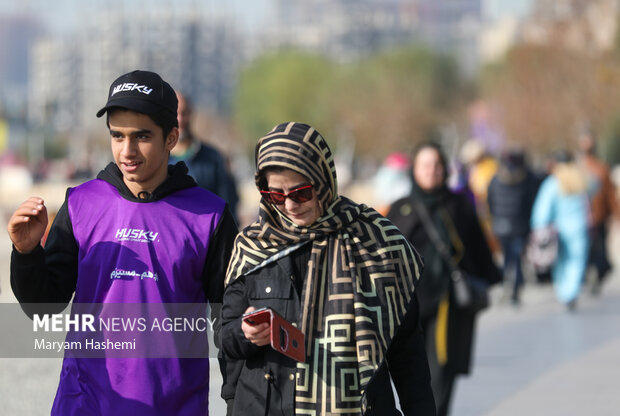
[166, 120]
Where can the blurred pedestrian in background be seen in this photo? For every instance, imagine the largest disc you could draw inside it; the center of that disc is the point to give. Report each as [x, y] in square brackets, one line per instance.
[458, 180]
[338, 270]
[205, 163]
[511, 196]
[533, 254]
[562, 202]
[603, 204]
[392, 181]
[448, 330]
[481, 167]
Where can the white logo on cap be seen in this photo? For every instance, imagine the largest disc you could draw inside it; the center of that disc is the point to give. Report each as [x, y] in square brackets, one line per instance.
[131, 86]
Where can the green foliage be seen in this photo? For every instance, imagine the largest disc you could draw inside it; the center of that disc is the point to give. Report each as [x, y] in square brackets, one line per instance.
[610, 145]
[290, 86]
[385, 102]
[56, 147]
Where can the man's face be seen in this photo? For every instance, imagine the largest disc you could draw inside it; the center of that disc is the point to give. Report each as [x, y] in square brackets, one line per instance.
[139, 149]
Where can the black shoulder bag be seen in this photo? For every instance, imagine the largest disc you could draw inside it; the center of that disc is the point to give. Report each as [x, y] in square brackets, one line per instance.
[470, 292]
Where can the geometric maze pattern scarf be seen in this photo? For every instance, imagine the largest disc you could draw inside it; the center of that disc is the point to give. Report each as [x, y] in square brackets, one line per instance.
[360, 278]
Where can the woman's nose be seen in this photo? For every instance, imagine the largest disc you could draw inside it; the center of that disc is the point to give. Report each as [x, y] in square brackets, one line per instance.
[290, 204]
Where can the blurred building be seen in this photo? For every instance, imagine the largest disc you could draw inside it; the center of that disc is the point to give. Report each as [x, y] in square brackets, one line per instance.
[582, 25]
[69, 78]
[349, 29]
[17, 33]
[453, 26]
[588, 26]
[498, 37]
[342, 29]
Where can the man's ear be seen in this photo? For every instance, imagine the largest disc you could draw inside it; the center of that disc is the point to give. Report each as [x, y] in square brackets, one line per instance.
[172, 139]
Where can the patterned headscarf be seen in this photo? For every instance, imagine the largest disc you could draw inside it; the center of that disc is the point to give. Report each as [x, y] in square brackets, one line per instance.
[360, 280]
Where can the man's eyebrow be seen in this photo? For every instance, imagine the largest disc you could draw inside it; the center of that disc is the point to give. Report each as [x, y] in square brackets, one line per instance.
[133, 133]
[141, 131]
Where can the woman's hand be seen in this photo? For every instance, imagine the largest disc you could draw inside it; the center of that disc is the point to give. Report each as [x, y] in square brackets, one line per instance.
[257, 334]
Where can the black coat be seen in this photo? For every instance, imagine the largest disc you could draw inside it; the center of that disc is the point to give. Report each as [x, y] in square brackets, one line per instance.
[476, 259]
[510, 202]
[260, 380]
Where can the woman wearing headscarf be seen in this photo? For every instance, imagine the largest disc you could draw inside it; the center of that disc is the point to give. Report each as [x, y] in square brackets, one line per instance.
[448, 330]
[562, 202]
[340, 272]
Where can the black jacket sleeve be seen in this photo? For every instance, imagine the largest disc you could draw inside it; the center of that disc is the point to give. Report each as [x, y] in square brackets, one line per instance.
[218, 255]
[235, 347]
[408, 366]
[478, 259]
[48, 275]
[234, 343]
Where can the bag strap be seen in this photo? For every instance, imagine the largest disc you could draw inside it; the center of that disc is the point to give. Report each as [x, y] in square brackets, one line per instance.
[433, 233]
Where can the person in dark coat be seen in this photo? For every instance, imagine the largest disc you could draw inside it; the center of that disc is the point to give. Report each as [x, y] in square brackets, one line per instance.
[206, 164]
[511, 196]
[603, 206]
[341, 273]
[448, 330]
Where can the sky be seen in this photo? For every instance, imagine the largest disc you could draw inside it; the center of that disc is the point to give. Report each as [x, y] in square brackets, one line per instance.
[64, 15]
[496, 9]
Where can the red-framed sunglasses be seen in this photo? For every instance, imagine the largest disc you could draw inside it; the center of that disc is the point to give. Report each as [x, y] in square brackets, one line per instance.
[299, 195]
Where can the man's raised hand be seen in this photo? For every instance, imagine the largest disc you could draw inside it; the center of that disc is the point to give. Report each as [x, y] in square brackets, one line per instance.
[27, 224]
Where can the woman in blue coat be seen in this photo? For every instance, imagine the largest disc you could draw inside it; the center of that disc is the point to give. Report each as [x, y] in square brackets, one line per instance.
[562, 201]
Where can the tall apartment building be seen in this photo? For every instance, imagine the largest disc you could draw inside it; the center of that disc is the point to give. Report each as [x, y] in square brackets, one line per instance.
[349, 29]
[342, 29]
[16, 35]
[69, 77]
[584, 25]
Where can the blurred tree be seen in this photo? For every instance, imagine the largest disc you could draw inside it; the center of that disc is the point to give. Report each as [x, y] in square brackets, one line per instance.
[610, 147]
[288, 86]
[385, 102]
[544, 93]
[397, 98]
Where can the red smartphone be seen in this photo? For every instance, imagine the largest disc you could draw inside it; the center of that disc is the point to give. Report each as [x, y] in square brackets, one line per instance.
[284, 337]
[257, 316]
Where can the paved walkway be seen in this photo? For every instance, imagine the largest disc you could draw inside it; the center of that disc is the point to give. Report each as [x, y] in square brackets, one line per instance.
[542, 360]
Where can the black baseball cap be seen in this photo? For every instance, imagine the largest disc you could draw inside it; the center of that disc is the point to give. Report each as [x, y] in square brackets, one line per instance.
[141, 91]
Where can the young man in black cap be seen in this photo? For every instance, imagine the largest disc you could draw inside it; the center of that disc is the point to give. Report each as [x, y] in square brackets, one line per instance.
[142, 232]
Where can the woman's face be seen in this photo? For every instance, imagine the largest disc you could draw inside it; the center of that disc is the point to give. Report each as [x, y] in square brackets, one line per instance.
[301, 213]
[428, 170]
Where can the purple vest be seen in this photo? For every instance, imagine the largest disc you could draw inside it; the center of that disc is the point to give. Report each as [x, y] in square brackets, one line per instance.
[135, 252]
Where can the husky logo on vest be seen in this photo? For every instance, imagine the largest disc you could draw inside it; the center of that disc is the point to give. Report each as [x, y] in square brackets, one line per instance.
[135, 234]
[130, 86]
